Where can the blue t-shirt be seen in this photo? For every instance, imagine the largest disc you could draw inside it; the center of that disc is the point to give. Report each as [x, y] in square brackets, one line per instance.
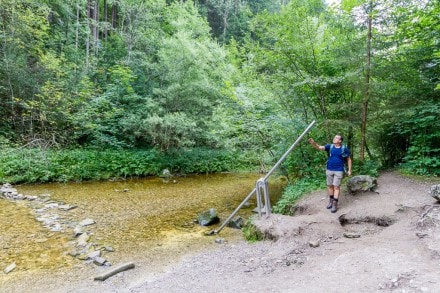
[336, 159]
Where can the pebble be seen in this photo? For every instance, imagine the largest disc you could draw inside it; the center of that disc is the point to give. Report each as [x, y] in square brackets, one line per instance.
[10, 268]
[220, 241]
[87, 222]
[99, 261]
[94, 254]
[77, 231]
[352, 235]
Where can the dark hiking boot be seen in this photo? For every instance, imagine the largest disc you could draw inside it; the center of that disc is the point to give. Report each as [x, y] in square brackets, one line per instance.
[330, 202]
[334, 206]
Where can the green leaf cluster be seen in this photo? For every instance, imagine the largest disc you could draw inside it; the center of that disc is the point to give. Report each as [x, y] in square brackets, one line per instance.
[39, 165]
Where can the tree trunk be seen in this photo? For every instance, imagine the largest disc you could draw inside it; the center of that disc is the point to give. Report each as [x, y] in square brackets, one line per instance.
[88, 35]
[367, 86]
[114, 15]
[95, 27]
[225, 19]
[350, 140]
[105, 20]
[77, 27]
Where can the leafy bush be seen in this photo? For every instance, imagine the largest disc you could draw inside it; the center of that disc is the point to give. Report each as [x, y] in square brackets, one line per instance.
[294, 191]
[250, 232]
[367, 167]
[39, 165]
[412, 140]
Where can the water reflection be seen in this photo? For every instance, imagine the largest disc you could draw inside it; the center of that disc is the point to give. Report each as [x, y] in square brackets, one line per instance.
[131, 215]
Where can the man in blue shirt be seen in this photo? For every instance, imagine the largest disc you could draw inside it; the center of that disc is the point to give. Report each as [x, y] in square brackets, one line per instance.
[337, 153]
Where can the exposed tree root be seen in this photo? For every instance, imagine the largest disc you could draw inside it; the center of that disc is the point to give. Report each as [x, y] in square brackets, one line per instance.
[429, 217]
[383, 221]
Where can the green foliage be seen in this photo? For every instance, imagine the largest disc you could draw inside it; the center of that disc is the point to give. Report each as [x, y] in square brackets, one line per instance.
[251, 233]
[413, 140]
[295, 191]
[208, 161]
[40, 165]
[366, 167]
[423, 154]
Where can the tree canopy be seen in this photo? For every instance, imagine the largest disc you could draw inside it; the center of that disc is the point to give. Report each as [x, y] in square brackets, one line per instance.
[246, 74]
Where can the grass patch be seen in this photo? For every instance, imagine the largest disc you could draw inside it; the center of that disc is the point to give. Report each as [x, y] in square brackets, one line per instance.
[250, 232]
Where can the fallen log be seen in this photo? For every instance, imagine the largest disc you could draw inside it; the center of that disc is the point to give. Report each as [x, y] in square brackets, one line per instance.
[114, 271]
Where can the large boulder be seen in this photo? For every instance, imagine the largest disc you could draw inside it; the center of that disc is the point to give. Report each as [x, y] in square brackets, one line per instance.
[361, 183]
[208, 217]
[435, 192]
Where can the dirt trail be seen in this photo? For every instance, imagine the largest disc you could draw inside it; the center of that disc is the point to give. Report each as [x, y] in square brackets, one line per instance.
[390, 242]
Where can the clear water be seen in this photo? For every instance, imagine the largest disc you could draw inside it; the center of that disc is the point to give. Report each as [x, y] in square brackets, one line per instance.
[133, 216]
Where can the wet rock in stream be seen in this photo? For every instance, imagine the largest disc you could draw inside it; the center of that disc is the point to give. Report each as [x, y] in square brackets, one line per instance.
[208, 217]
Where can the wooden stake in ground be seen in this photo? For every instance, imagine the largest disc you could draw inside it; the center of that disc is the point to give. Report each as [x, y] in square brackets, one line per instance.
[115, 271]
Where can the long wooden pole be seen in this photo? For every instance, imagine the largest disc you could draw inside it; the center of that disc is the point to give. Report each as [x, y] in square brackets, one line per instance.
[265, 177]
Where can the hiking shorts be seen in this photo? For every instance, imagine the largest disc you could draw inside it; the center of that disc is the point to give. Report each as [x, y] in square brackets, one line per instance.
[334, 177]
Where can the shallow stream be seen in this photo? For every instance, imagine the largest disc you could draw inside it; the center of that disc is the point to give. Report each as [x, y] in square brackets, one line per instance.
[134, 216]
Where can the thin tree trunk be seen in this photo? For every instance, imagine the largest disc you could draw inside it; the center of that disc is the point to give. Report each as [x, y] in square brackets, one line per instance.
[88, 35]
[370, 155]
[114, 15]
[95, 27]
[105, 20]
[350, 140]
[77, 27]
[367, 86]
[225, 19]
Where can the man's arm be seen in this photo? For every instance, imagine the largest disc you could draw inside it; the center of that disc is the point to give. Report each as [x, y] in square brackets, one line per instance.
[349, 166]
[316, 146]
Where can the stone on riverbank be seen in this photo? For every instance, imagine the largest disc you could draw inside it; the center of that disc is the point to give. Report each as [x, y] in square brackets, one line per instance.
[361, 183]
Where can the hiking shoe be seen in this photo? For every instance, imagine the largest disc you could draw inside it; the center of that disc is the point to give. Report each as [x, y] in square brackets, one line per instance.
[334, 206]
[330, 202]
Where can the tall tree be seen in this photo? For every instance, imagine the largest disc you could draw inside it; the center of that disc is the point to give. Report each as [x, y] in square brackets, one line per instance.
[367, 81]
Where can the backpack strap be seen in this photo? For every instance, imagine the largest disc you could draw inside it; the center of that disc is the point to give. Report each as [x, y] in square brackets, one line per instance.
[329, 153]
[343, 150]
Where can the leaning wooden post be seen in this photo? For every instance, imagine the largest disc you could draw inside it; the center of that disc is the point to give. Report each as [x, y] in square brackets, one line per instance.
[264, 179]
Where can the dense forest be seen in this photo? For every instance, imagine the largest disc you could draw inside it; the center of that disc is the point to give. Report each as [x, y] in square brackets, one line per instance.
[91, 89]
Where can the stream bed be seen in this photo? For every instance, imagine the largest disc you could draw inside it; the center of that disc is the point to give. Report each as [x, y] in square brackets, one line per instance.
[148, 218]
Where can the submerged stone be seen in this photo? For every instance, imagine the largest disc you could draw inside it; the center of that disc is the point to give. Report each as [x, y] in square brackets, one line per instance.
[208, 217]
[87, 222]
[10, 268]
[237, 223]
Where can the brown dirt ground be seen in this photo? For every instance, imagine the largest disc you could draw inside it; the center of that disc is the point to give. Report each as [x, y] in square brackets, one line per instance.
[396, 249]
